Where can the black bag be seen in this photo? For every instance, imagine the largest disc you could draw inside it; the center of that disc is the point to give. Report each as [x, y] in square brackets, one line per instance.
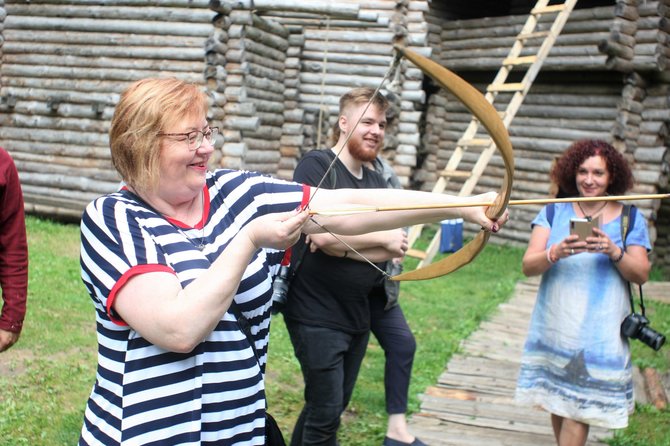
[273, 435]
[392, 287]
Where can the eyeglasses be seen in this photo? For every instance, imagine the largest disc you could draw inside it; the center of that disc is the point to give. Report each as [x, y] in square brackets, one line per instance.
[196, 137]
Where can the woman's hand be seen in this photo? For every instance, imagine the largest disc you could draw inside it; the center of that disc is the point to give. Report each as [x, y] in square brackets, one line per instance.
[477, 215]
[567, 247]
[601, 243]
[277, 231]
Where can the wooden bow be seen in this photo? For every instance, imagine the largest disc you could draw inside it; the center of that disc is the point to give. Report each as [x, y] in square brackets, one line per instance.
[489, 118]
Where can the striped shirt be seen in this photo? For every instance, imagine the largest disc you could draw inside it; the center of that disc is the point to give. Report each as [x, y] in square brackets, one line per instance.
[145, 394]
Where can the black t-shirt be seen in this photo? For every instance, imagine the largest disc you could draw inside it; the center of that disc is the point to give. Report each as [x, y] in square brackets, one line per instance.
[331, 291]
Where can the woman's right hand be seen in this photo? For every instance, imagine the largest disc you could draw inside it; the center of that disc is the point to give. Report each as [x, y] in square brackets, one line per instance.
[277, 231]
[567, 247]
[478, 215]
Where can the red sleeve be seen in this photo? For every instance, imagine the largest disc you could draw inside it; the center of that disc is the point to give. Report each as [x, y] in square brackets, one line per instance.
[305, 199]
[134, 271]
[13, 247]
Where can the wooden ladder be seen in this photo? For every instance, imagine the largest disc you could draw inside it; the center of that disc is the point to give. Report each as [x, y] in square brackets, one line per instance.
[532, 65]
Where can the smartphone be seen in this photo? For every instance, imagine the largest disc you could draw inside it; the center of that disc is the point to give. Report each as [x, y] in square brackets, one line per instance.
[582, 227]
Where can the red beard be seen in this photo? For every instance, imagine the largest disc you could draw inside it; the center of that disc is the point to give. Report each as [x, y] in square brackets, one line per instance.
[360, 152]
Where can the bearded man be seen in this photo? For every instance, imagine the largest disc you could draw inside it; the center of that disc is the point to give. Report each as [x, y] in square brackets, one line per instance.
[327, 312]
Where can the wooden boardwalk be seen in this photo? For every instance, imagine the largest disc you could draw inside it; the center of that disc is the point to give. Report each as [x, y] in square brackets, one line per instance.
[473, 402]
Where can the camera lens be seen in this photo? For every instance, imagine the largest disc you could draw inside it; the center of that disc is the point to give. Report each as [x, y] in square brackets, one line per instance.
[651, 337]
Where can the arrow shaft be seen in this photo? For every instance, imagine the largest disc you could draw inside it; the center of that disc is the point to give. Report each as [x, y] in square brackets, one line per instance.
[474, 204]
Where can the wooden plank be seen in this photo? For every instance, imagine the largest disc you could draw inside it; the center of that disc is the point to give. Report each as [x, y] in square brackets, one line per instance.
[447, 433]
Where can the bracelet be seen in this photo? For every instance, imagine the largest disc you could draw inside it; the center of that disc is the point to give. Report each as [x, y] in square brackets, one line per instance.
[618, 259]
[549, 259]
[346, 253]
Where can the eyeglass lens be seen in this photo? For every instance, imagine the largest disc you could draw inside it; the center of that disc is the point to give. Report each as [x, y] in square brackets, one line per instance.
[195, 138]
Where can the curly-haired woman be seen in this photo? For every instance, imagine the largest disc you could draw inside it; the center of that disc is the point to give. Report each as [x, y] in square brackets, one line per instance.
[576, 364]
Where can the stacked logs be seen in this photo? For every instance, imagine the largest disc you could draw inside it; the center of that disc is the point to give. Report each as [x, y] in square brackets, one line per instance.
[293, 130]
[559, 109]
[304, 61]
[620, 46]
[638, 132]
[64, 65]
[336, 57]
[254, 92]
[216, 76]
[481, 44]
[410, 30]
[652, 162]
[653, 36]
[274, 82]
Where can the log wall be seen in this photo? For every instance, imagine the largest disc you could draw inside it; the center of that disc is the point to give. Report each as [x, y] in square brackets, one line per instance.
[275, 69]
[340, 53]
[606, 77]
[63, 67]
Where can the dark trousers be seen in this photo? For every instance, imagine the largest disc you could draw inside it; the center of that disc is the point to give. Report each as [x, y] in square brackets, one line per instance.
[330, 361]
[395, 337]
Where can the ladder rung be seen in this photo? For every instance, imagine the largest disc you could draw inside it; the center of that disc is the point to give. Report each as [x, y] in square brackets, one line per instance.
[533, 35]
[524, 60]
[474, 142]
[516, 86]
[547, 9]
[417, 254]
[456, 173]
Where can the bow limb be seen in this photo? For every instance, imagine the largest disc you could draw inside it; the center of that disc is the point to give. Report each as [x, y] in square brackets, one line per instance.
[489, 118]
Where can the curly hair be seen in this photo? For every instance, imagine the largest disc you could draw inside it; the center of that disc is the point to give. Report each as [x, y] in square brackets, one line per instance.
[564, 172]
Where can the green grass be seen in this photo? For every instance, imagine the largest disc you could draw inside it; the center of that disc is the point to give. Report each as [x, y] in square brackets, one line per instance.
[46, 377]
[48, 374]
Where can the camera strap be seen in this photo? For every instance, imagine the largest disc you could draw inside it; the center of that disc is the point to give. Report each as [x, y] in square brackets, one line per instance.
[627, 220]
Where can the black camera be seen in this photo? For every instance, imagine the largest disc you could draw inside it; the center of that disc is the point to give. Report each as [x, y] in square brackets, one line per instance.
[635, 327]
[280, 289]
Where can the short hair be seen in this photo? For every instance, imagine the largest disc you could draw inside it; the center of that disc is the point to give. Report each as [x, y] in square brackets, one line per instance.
[358, 96]
[146, 108]
[564, 172]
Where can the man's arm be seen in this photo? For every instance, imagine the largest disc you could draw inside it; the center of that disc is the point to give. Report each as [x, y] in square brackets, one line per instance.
[379, 246]
[13, 254]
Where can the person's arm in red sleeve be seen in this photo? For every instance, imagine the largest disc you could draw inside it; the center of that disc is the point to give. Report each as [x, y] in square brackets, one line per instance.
[13, 253]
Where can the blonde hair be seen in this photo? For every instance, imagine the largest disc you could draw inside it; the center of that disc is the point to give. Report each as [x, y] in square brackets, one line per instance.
[148, 107]
[356, 97]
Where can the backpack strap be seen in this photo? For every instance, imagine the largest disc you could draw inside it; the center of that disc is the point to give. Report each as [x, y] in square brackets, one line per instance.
[551, 209]
[628, 214]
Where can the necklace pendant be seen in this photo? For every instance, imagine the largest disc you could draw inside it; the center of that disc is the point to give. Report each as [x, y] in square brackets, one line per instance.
[201, 246]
